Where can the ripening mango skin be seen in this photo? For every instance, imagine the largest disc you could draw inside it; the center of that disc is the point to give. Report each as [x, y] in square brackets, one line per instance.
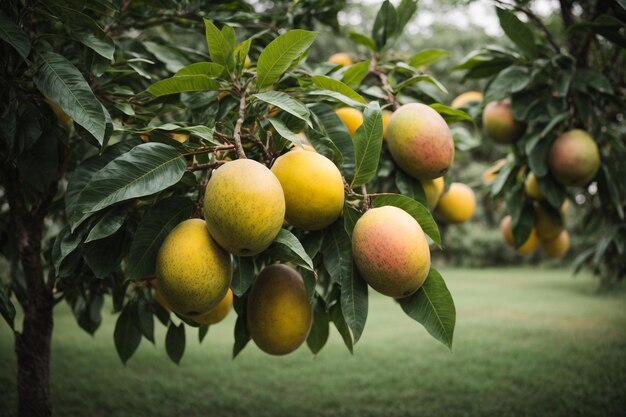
[244, 207]
[457, 205]
[386, 117]
[340, 58]
[548, 225]
[279, 312]
[506, 227]
[499, 124]
[531, 187]
[313, 188]
[491, 173]
[420, 141]
[193, 272]
[433, 190]
[351, 118]
[558, 247]
[462, 100]
[391, 251]
[217, 313]
[574, 158]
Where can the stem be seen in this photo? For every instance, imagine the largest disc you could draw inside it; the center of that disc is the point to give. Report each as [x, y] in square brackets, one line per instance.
[390, 97]
[237, 132]
[367, 199]
[212, 149]
[206, 166]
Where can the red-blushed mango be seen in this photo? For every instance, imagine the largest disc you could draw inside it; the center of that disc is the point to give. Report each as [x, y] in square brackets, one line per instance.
[340, 58]
[491, 173]
[193, 272]
[457, 205]
[506, 227]
[548, 223]
[499, 124]
[351, 118]
[217, 313]
[313, 188]
[420, 141]
[391, 251]
[386, 117]
[574, 158]
[531, 186]
[462, 100]
[244, 207]
[433, 190]
[279, 313]
[558, 247]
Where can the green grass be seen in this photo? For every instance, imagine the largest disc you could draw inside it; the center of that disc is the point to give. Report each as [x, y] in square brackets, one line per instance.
[528, 342]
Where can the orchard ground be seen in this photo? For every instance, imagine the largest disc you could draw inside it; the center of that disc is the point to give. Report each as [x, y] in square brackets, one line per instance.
[527, 342]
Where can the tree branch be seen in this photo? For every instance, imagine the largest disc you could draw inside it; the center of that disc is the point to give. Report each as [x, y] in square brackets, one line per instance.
[389, 95]
[237, 132]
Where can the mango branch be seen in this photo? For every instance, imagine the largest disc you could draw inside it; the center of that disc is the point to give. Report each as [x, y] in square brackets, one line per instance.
[211, 149]
[237, 132]
[206, 166]
[380, 74]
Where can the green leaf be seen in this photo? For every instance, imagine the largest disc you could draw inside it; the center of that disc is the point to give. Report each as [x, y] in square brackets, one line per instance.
[183, 83]
[108, 224]
[417, 210]
[220, 48]
[284, 132]
[595, 80]
[329, 123]
[61, 82]
[105, 256]
[433, 307]
[451, 115]
[354, 302]
[420, 78]
[242, 334]
[229, 35]
[243, 275]
[287, 103]
[339, 321]
[518, 32]
[210, 69]
[368, 141]
[410, 187]
[354, 75]
[14, 36]
[427, 57]
[278, 56]
[144, 170]
[508, 81]
[202, 332]
[127, 335]
[385, 24]
[6, 306]
[100, 43]
[318, 336]
[331, 84]
[241, 53]
[405, 11]
[325, 146]
[160, 219]
[175, 342]
[337, 252]
[363, 40]
[350, 217]
[146, 319]
[287, 247]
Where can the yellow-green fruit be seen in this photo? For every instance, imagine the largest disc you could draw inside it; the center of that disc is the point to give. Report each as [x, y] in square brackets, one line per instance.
[244, 207]
[457, 205]
[433, 190]
[558, 247]
[492, 172]
[217, 313]
[529, 246]
[313, 188]
[340, 58]
[350, 117]
[574, 158]
[279, 313]
[193, 273]
[62, 117]
[391, 251]
[386, 117]
[549, 223]
[247, 62]
[466, 98]
[179, 137]
[420, 141]
[499, 124]
[531, 186]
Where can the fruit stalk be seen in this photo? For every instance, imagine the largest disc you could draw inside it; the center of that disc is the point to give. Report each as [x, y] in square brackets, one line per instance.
[390, 97]
[240, 119]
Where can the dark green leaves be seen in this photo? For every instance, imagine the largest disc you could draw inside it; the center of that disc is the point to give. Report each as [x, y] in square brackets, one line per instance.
[518, 32]
[183, 83]
[511, 80]
[279, 55]
[156, 224]
[127, 334]
[145, 170]
[59, 80]
[287, 103]
[385, 24]
[220, 48]
[175, 342]
[331, 84]
[14, 36]
[433, 307]
[363, 40]
[427, 57]
[356, 73]
[418, 211]
[368, 141]
[243, 275]
[287, 247]
[6, 307]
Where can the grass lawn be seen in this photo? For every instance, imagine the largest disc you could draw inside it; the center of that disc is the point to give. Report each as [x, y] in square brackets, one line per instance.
[528, 342]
